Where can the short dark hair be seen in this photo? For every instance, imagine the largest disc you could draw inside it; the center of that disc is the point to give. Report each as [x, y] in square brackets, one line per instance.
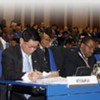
[29, 34]
[87, 38]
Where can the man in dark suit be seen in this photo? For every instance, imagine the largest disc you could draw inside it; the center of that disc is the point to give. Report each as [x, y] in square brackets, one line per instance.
[80, 57]
[16, 65]
[57, 53]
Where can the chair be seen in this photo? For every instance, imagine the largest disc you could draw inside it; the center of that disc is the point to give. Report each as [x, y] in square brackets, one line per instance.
[97, 56]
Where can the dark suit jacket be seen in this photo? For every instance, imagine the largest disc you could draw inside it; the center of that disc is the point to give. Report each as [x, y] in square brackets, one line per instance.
[58, 57]
[72, 61]
[12, 62]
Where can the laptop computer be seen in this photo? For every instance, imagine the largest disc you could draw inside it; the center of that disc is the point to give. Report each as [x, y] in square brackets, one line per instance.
[83, 71]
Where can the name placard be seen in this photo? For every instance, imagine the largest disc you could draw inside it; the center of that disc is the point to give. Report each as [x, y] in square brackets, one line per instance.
[81, 80]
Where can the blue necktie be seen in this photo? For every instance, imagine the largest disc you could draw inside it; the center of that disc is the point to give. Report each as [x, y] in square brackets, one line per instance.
[27, 67]
[52, 61]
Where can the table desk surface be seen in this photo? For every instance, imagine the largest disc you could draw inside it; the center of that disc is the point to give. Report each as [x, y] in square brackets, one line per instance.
[62, 92]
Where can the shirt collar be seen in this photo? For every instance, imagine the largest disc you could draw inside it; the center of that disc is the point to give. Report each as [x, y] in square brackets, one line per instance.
[23, 53]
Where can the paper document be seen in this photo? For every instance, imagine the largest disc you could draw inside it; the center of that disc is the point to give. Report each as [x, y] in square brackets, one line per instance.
[46, 79]
[45, 74]
[55, 80]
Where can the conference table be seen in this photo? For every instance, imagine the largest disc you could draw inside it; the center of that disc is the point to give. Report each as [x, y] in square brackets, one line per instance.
[55, 91]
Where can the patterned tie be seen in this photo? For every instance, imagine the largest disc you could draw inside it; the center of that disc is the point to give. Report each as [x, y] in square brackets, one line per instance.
[52, 61]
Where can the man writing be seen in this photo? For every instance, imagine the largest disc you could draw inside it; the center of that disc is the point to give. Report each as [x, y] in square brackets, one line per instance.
[22, 60]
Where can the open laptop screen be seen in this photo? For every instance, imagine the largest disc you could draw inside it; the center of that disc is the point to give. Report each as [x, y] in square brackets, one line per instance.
[83, 71]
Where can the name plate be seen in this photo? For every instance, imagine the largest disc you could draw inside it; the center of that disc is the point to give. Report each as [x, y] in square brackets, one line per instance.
[81, 80]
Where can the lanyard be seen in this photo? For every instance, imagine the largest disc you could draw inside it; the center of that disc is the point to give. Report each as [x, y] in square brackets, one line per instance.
[86, 62]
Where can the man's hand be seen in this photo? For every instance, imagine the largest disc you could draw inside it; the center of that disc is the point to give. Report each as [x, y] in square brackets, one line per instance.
[54, 74]
[33, 76]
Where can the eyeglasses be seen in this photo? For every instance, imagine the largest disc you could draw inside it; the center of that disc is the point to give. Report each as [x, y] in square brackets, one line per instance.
[35, 47]
[90, 47]
[46, 39]
[32, 45]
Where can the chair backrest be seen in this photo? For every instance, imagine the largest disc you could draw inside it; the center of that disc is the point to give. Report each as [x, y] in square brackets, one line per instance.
[97, 56]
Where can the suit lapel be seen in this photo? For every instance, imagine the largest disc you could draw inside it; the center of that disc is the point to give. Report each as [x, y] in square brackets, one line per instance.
[19, 57]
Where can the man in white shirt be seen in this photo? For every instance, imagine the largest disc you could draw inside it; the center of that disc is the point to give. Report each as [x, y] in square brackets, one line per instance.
[22, 60]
